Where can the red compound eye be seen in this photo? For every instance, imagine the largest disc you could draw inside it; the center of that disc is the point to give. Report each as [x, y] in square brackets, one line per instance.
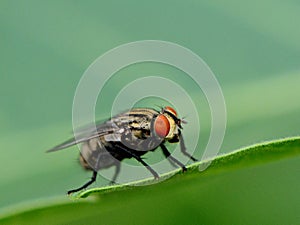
[161, 126]
[171, 110]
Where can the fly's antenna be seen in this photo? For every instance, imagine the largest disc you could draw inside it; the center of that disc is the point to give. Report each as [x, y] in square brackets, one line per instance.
[183, 120]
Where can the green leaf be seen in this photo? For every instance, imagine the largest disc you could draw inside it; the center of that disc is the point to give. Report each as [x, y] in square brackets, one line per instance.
[253, 185]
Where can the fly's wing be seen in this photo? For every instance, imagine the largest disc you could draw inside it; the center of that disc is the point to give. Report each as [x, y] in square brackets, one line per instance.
[113, 128]
[87, 134]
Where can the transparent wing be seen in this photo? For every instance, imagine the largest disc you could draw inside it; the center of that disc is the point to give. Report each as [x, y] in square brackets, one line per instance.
[87, 134]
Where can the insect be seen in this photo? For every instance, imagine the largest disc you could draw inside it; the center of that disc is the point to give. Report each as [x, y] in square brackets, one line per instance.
[128, 135]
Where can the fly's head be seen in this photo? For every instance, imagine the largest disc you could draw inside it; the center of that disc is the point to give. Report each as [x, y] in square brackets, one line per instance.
[167, 125]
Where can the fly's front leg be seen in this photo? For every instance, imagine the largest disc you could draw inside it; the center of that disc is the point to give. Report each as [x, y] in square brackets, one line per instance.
[167, 154]
[183, 148]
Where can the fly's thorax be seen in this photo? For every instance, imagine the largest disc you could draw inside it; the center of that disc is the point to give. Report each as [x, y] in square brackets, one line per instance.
[140, 139]
[137, 133]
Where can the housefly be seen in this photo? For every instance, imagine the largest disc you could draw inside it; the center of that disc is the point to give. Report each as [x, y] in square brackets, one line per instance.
[128, 135]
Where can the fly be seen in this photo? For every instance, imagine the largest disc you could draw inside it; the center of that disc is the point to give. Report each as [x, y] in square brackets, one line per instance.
[128, 135]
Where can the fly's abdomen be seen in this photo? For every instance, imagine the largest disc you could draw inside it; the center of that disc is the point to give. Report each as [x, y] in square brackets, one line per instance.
[94, 156]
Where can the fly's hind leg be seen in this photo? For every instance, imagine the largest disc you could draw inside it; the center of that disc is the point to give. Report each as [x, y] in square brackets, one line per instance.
[92, 180]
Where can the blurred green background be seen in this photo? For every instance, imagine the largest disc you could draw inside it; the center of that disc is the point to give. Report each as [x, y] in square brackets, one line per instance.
[252, 47]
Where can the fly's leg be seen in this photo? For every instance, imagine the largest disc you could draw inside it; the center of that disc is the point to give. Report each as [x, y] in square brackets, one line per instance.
[118, 167]
[170, 160]
[167, 154]
[139, 159]
[183, 148]
[92, 180]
